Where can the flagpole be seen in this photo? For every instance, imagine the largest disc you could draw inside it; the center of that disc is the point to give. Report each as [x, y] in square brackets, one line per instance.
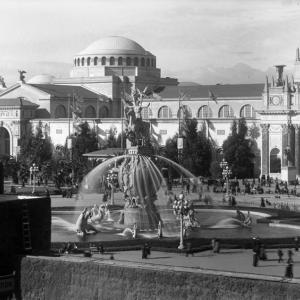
[207, 130]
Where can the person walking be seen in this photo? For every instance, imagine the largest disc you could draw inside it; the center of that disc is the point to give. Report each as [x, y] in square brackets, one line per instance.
[289, 268]
[280, 255]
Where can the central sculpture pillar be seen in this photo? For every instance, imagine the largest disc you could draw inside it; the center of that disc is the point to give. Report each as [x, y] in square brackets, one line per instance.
[265, 150]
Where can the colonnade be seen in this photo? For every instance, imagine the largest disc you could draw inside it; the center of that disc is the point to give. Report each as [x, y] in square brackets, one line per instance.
[290, 154]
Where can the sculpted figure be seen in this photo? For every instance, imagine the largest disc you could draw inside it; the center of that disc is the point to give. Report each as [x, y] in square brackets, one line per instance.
[2, 82]
[22, 76]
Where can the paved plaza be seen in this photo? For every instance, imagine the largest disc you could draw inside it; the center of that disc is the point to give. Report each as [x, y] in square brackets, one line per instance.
[233, 262]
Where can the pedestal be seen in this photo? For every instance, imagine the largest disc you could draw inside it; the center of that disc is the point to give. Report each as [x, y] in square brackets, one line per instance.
[138, 216]
[288, 174]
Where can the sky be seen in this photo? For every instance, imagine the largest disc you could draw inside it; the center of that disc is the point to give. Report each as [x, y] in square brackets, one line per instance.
[194, 40]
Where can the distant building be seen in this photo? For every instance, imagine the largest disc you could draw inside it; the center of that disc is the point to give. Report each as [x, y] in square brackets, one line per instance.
[108, 67]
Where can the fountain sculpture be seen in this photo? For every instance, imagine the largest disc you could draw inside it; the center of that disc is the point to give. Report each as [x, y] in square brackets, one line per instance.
[135, 174]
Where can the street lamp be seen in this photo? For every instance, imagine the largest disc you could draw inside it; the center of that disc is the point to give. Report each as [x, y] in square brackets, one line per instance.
[226, 173]
[33, 171]
[181, 208]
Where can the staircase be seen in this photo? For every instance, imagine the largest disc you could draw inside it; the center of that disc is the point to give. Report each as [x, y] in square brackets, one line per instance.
[26, 228]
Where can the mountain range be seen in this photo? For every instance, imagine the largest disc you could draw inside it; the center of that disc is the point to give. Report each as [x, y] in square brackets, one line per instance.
[239, 73]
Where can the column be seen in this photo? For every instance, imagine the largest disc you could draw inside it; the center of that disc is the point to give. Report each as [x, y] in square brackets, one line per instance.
[291, 145]
[284, 145]
[265, 149]
[297, 148]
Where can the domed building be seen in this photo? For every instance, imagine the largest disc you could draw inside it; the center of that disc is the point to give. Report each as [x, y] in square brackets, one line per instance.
[105, 69]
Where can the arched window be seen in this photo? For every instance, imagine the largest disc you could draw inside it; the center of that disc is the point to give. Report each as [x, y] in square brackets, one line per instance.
[247, 111]
[90, 112]
[103, 61]
[88, 61]
[112, 61]
[82, 61]
[136, 61]
[148, 62]
[60, 112]
[152, 62]
[146, 113]
[226, 112]
[120, 61]
[275, 161]
[78, 61]
[184, 112]
[75, 62]
[103, 112]
[95, 61]
[164, 113]
[128, 61]
[143, 62]
[204, 112]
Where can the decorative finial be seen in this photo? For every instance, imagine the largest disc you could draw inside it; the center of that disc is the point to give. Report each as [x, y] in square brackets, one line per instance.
[286, 83]
[267, 84]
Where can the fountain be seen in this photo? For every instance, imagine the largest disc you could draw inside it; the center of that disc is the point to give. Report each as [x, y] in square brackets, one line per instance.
[127, 197]
[134, 175]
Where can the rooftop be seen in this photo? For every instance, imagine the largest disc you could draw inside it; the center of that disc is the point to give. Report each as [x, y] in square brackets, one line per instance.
[113, 45]
[62, 91]
[219, 90]
[20, 101]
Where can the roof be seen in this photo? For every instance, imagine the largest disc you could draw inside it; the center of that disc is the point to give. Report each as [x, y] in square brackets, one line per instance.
[113, 45]
[105, 153]
[16, 102]
[41, 79]
[65, 90]
[219, 90]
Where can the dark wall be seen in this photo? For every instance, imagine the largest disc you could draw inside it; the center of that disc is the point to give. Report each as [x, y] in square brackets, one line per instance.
[11, 230]
[1, 179]
[65, 278]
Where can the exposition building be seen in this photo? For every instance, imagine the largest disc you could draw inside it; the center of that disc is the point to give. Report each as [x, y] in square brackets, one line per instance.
[107, 68]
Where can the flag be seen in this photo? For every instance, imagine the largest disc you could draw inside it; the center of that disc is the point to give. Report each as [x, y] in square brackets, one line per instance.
[212, 96]
[210, 125]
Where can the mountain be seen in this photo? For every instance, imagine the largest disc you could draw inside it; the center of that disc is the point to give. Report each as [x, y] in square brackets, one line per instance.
[239, 73]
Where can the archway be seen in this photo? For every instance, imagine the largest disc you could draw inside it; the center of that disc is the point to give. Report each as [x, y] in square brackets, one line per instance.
[275, 161]
[4, 141]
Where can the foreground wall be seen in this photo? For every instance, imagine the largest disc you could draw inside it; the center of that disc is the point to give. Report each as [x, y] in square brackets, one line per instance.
[84, 278]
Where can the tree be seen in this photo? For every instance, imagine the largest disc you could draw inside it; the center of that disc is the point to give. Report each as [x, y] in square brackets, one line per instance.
[197, 149]
[237, 149]
[35, 147]
[111, 141]
[83, 142]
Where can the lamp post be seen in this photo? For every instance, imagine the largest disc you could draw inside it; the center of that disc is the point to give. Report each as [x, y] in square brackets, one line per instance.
[226, 173]
[33, 170]
[181, 208]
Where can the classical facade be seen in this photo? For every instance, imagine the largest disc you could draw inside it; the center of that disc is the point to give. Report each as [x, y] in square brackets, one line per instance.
[112, 66]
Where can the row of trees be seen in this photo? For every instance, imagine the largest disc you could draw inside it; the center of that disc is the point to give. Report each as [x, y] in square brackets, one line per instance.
[200, 154]
[202, 157]
[59, 163]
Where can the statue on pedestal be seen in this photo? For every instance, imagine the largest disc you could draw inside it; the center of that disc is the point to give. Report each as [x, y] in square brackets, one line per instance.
[22, 76]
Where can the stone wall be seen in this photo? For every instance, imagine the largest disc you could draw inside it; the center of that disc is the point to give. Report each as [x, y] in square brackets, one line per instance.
[84, 278]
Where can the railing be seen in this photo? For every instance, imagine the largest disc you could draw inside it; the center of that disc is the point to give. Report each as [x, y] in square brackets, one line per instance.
[7, 283]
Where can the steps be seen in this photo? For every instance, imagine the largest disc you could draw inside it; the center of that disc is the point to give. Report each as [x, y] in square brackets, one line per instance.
[26, 232]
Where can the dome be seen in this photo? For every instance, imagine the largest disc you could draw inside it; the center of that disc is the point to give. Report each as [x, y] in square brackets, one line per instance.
[41, 79]
[114, 45]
